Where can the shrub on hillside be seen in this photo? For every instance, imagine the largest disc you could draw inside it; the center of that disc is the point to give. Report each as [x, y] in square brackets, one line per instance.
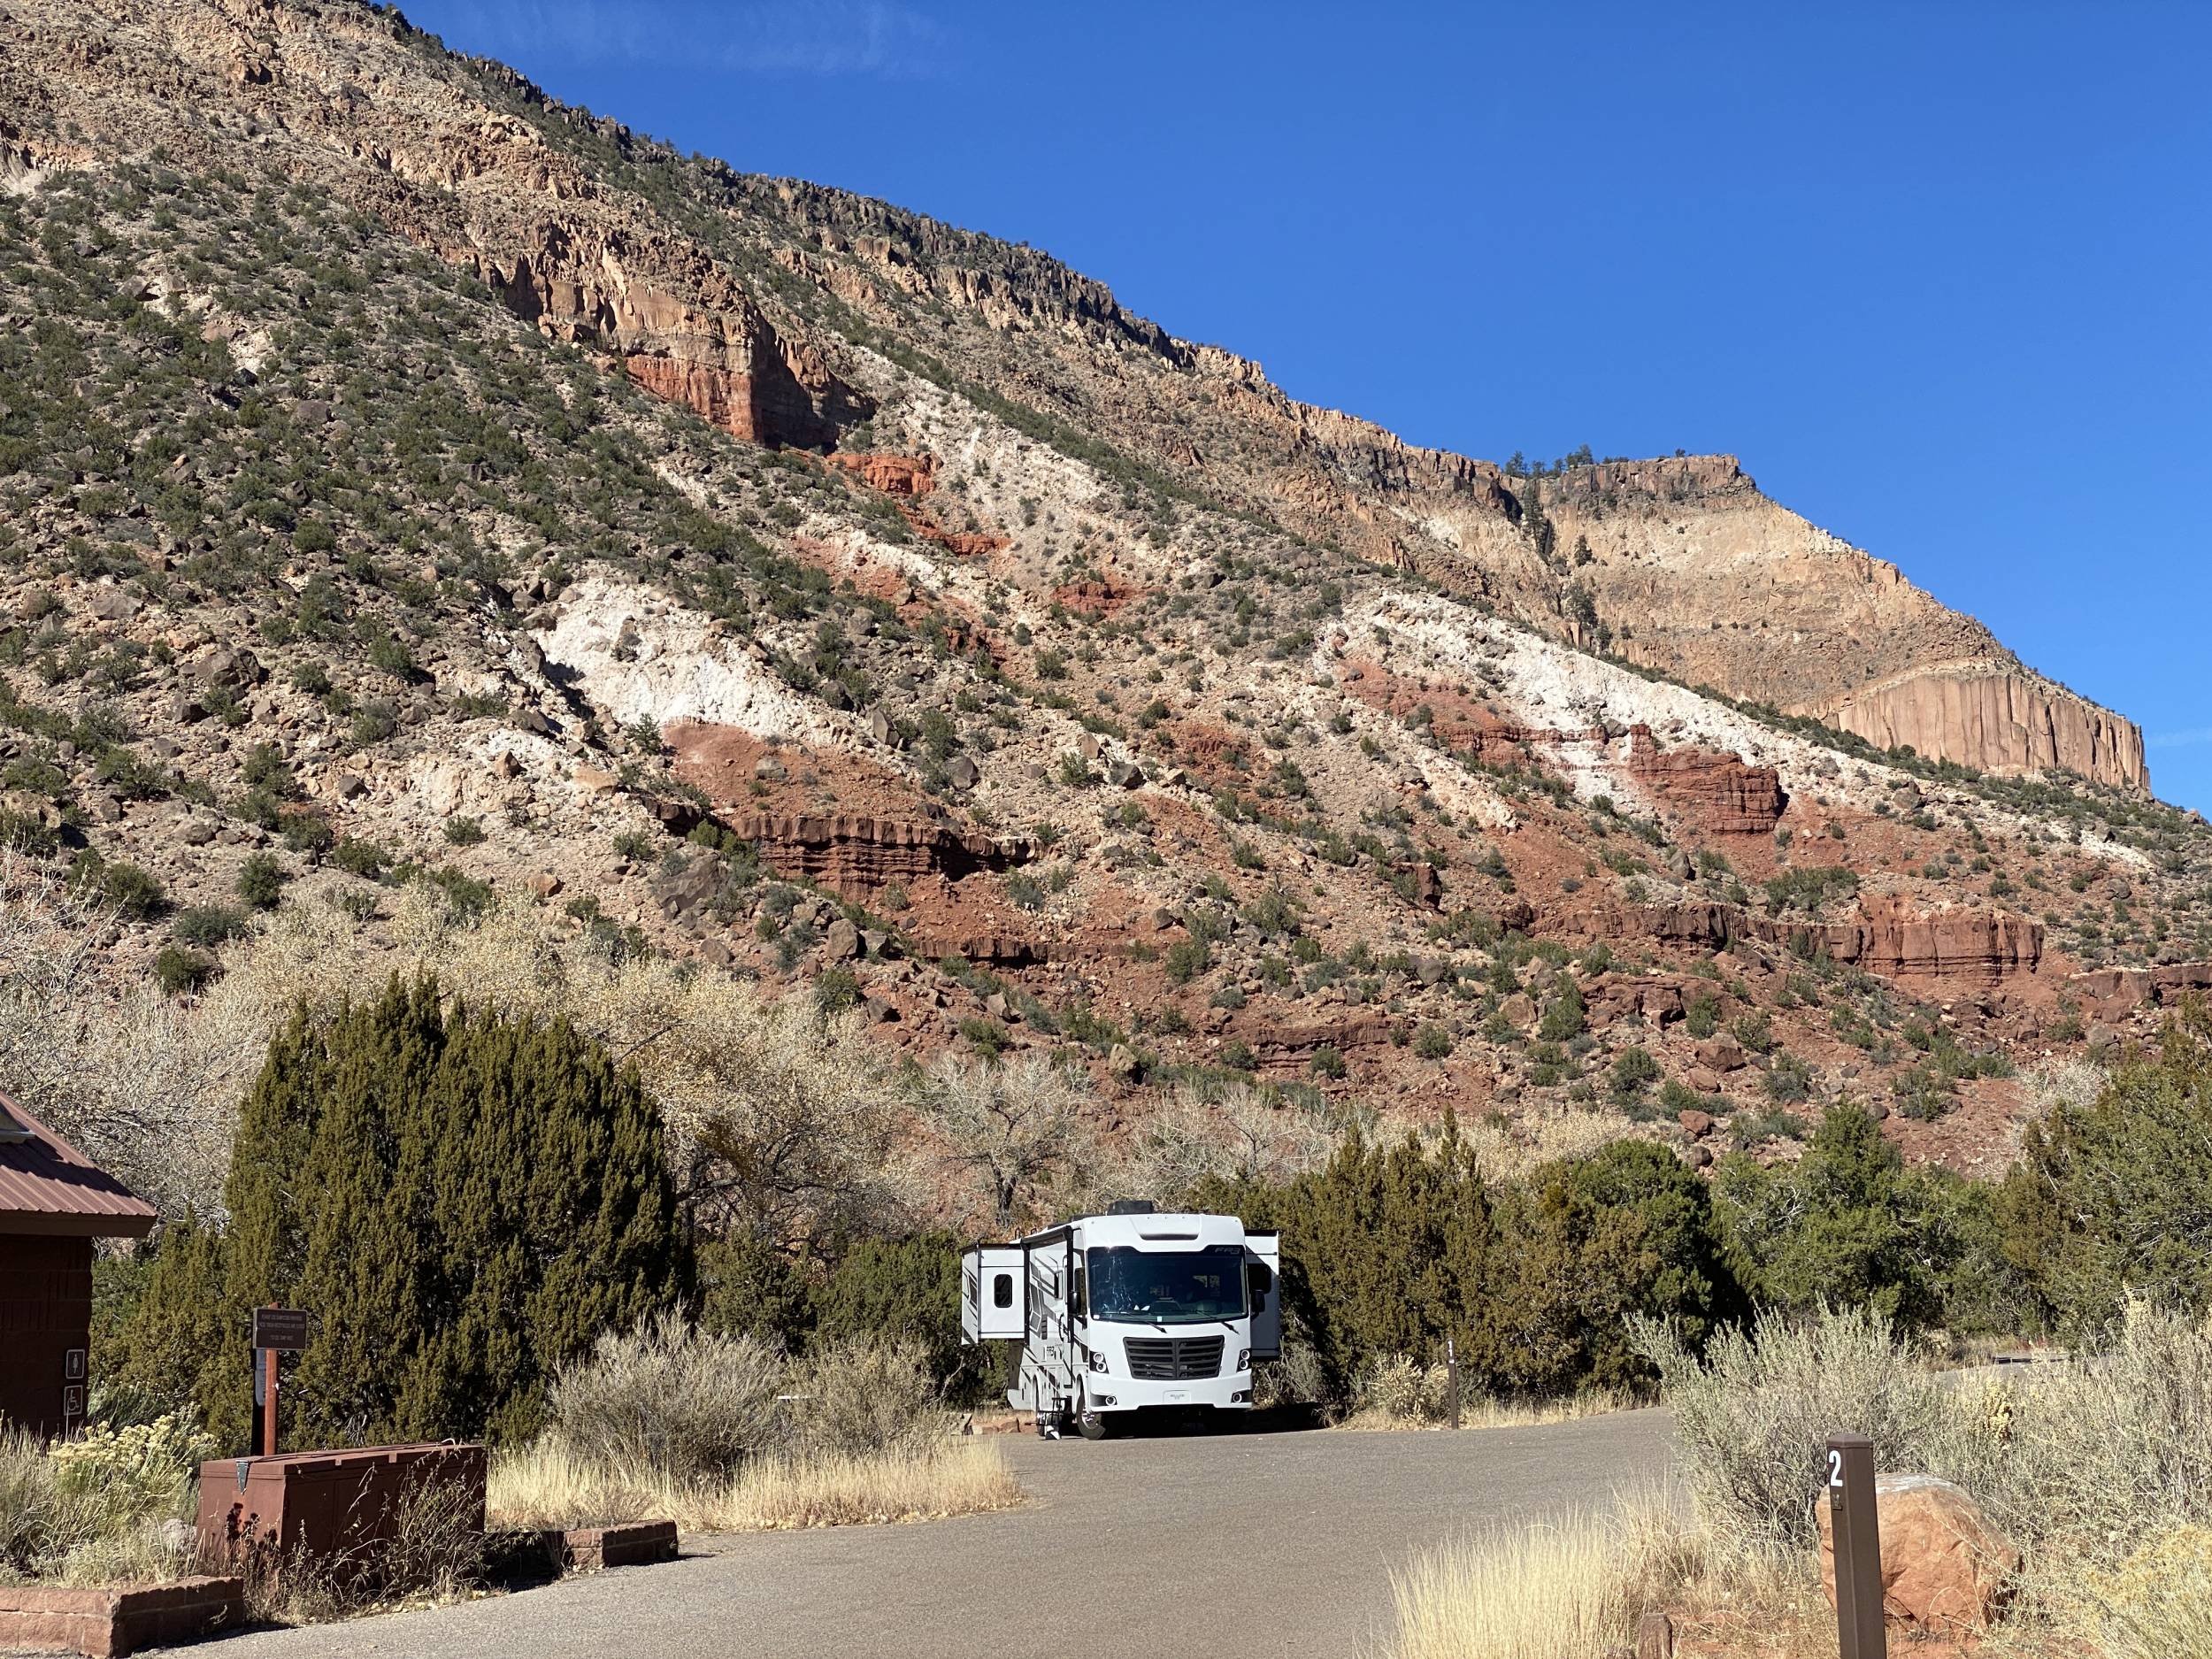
[1849, 1225]
[863, 1396]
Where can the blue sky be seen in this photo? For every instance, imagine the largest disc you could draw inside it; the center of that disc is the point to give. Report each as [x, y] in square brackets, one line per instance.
[1937, 272]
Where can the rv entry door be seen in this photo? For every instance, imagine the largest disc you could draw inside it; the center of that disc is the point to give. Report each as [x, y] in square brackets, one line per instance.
[1263, 1281]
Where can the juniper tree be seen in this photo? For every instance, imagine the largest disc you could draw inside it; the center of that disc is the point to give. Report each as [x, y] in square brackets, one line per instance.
[461, 1201]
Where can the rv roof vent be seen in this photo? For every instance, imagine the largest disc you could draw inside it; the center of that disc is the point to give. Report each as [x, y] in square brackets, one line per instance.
[1130, 1207]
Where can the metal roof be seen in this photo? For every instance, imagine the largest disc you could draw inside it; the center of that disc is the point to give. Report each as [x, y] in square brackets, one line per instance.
[47, 1185]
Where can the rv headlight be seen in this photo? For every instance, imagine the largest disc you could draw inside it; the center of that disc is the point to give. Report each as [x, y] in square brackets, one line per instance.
[1244, 1359]
[1098, 1361]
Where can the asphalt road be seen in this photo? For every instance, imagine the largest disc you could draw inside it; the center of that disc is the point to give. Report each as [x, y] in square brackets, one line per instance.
[1255, 1545]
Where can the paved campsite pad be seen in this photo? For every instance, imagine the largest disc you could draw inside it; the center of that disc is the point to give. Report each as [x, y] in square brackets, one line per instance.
[1264, 1544]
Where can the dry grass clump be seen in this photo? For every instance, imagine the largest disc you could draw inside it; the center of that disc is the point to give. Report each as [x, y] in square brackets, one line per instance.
[433, 1552]
[1755, 1411]
[725, 1435]
[2158, 1603]
[1507, 1150]
[1396, 1392]
[672, 1398]
[1570, 1589]
[547, 1484]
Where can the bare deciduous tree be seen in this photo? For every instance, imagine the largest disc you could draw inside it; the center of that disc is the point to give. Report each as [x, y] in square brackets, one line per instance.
[1008, 1124]
[1240, 1133]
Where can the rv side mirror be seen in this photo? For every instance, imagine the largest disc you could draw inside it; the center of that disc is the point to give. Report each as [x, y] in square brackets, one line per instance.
[1257, 1280]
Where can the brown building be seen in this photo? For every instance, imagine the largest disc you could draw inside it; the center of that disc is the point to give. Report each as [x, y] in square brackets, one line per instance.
[53, 1203]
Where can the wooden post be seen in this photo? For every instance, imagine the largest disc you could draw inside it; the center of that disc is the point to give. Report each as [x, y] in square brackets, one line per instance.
[1451, 1377]
[269, 1417]
[254, 1434]
[1857, 1533]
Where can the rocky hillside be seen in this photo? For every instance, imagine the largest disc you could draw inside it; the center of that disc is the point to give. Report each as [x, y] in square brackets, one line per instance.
[403, 477]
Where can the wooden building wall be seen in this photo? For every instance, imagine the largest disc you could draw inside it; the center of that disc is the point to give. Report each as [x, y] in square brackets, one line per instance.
[45, 1314]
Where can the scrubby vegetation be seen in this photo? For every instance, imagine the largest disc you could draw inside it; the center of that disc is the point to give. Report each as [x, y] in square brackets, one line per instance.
[2093, 1471]
[729, 1433]
[103, 1507]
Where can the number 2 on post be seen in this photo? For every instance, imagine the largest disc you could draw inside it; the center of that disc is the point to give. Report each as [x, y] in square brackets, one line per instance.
[1835, 1469]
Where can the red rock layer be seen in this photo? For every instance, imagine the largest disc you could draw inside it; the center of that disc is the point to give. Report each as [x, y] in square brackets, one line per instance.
[1094, 597]
[720, 396]
[1966, 947]
[858, 857]
[893, 474]
[2117, 990]
[1716, 791]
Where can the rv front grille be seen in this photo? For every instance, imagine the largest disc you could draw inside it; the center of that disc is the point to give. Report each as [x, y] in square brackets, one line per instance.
[1173, 1358]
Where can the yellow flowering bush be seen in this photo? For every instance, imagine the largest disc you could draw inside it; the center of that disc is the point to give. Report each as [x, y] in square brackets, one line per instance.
[137, 1470]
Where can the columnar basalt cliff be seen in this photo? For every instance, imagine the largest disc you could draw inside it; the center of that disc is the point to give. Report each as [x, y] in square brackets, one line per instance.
[1997, 716]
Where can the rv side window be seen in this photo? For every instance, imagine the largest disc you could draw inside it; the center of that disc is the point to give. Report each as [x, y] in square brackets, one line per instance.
[1075, 1290]
[1002, 1290]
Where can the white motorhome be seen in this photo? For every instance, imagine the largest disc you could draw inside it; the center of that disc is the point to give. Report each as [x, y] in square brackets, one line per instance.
[1125, 1311]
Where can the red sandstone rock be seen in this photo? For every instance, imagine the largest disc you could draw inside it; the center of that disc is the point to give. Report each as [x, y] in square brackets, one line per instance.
[1944, 1568]
[855, 856]
[907, 475]
[2114, 991]
[1716, 791]
[1953, 944]
[1722, 1053]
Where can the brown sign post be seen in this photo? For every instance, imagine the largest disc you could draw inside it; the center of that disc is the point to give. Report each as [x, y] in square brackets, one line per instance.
[275, 1331]
[1857, 1534]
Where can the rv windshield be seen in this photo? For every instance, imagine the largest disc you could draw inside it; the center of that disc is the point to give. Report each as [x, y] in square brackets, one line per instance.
[1167, 1286]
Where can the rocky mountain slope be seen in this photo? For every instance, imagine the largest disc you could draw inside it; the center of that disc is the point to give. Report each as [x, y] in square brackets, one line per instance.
[405, 477]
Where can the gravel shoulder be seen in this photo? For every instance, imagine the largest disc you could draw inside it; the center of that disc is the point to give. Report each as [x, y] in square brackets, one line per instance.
[1273, 1544]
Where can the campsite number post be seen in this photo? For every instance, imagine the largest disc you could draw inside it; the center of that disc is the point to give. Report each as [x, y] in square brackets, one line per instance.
[1858, 1547]
[275, 1331]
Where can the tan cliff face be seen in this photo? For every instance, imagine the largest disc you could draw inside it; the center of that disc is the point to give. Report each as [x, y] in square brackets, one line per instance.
[2010, 721]
[348, 98]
